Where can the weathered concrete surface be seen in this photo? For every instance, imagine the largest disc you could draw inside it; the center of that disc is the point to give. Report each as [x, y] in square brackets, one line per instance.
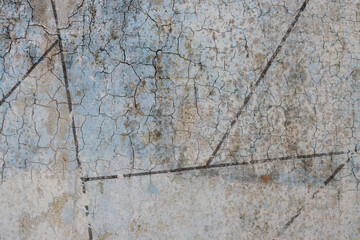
[41, 205]
[153, 88]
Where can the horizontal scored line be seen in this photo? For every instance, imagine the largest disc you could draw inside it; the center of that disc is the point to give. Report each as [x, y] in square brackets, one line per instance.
[219, 165]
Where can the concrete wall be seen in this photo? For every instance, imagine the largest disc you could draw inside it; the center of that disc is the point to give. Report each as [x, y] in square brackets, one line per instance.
[179, 119]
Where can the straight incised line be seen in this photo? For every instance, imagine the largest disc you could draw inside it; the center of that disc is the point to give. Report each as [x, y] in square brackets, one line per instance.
[68, 94]
[220, 165]
[66, 80]
[262, 75]
[28, 72]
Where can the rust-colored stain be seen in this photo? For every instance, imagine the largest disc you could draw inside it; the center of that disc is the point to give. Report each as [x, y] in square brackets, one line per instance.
[265, 178]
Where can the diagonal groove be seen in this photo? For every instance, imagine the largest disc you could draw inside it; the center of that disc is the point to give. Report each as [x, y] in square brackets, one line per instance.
[262, 76]
[337, 170]
[209, 164]
[28, 72]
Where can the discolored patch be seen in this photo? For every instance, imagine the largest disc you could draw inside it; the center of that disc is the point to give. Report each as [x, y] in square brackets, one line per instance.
[155, 135]
[158, 2]
[265, 178]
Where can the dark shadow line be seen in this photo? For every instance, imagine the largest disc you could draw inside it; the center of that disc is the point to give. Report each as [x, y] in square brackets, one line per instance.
[28, 72]
[66, 81]
[262, 75]
[219, 165]
[69, 100]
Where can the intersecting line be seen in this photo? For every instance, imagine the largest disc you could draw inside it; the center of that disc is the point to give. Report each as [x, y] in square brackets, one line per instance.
[246, 101]
[208, 163]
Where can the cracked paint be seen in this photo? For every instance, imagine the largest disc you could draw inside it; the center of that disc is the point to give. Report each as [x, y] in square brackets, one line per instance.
[172, 119]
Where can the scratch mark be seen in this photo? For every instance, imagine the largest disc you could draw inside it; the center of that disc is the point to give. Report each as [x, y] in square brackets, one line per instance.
[337, 170]
[28, 72]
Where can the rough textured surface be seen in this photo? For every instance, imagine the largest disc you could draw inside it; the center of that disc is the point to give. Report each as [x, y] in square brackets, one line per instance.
[179, 119]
